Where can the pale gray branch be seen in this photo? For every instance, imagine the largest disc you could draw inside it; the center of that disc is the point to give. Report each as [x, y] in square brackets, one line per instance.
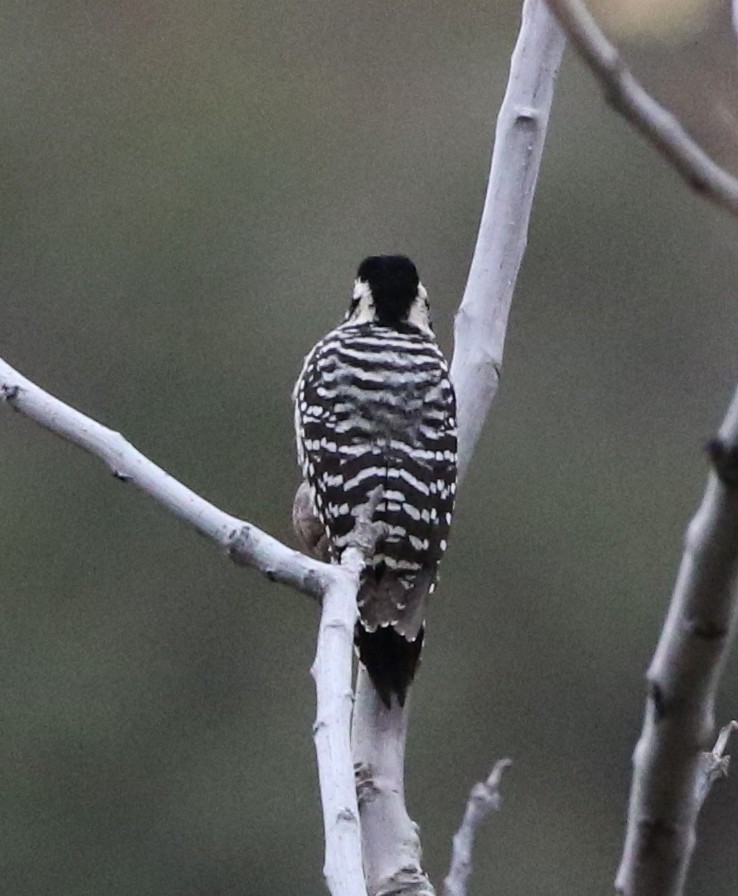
[481, 321]
[244, 542]
[484, 798]
[392, 854]
[626, 95]
[249, 546]
[683, 678]
[331, 670]
[344, 868]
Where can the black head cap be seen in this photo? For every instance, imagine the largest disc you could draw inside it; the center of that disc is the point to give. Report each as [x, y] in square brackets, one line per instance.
[393, 280]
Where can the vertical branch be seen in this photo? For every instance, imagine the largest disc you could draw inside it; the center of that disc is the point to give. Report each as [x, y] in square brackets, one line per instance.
[683, 678]
[331, 670]
[481, 321]
[390, 840]
[344, 872]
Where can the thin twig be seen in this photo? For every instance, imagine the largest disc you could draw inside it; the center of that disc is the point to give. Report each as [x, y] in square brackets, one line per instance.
[481, 321]
[484, 798]
[716, 763]
[627, 96]
[683, 679]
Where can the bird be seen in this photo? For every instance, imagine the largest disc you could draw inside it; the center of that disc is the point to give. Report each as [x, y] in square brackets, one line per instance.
[375, 407]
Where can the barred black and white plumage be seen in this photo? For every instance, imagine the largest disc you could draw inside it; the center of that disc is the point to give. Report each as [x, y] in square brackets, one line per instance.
[374, 406]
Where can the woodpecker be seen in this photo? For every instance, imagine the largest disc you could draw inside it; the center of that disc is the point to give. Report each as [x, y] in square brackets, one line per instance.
[374, 406]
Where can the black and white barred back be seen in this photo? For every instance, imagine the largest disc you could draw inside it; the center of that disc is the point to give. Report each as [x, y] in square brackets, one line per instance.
[374, 406]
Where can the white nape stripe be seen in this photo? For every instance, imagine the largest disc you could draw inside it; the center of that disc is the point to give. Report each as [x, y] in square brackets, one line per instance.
[419, 315]
[364, 310]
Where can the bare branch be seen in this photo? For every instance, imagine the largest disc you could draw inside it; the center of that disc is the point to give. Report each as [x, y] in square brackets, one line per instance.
[343, 869]
[249, 546]
[626, 95]
[392, 854]
[481, 321]
[484, 798]
[243, 542]
[683, 678]
[331, 670]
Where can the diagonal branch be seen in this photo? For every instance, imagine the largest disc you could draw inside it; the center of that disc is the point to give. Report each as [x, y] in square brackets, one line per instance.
[243, 542]
[626, 95]
[249, 546]
[667, 790]
[481, 321]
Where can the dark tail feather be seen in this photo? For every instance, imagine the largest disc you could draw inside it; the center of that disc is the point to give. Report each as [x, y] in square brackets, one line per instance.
[390, 660]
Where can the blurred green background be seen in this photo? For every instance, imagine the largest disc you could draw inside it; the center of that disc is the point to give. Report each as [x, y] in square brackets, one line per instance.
[187, 188]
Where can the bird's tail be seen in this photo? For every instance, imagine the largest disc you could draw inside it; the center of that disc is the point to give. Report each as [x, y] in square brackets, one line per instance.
[390, 659]
[389, 634]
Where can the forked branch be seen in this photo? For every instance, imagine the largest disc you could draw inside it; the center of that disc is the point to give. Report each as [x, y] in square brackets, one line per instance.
[249, 546]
